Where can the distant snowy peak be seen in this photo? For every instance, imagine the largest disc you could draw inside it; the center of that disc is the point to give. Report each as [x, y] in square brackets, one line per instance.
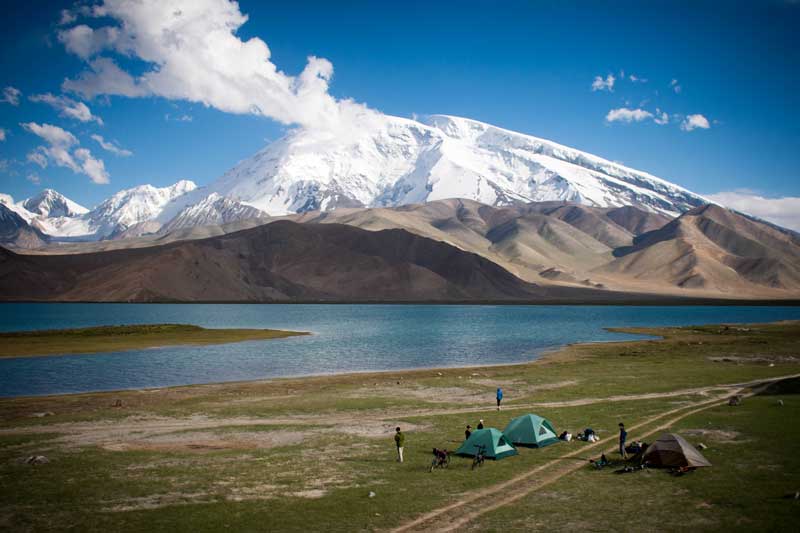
[394, 161]
[50, 203]
[212, 210]
[117, 214]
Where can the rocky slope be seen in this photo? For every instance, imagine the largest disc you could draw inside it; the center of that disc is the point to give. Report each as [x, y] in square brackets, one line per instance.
[281, 261]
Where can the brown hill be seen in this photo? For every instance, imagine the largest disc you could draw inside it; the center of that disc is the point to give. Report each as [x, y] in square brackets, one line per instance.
[715, 250]
[276, 262]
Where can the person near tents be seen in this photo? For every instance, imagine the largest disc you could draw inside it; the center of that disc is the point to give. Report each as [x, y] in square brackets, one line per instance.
[623, 435]
[499, 397]
[588, 435]
[565, 436]
[468, 432]
[480, 424]
[600, 463]
[399, 440]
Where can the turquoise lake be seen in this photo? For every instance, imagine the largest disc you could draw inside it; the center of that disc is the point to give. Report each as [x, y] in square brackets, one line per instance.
[346, 338]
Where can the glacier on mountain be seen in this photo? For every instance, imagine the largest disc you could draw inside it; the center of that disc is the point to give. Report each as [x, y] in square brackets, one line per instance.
[395, 161]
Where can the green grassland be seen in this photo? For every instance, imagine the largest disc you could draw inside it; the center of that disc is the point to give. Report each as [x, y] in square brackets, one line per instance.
[304, 454]
[119, 338]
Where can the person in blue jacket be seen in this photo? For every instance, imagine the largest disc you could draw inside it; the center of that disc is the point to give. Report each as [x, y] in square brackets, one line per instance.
[499, 397]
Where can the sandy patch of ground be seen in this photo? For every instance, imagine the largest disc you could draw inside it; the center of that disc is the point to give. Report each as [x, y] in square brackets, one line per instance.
[155, 501]
[208, 441]
[717, 435]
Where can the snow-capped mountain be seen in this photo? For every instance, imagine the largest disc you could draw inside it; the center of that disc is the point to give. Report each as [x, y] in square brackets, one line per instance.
[395, 161]
[50, 203]
[118, 213]
[212, 210]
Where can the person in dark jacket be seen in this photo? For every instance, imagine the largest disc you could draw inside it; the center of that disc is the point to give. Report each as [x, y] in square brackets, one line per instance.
[468, 432]
[623, 435]
[480, 424]
[399, 440]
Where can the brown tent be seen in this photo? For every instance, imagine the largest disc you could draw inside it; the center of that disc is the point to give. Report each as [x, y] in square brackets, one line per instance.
[673, 450]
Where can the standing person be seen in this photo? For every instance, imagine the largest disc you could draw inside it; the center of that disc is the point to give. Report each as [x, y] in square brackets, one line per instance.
[499, 397]
[468, 432]
[623, 435]
[480, 424]
[399, 440]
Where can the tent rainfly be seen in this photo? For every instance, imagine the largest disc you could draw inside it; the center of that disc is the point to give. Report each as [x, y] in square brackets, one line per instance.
[531, 430]
[672, 450]
[495, 444]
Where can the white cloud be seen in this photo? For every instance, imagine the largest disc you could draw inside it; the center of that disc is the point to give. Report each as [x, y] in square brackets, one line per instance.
[11, 96]
[607, 84]
[675, 86]
[38, 157]
[34, 178]
[86, 42]
[192, 52]
[661, 117]
[67, 107]
[693, 122]
[54, 135]
[94, 168]
[636, 79]
[2, 134]
[623, 114]
[781, 211]
[59, 150]
[111, 147]
[67, 17]
[180, 118]
[104, 77]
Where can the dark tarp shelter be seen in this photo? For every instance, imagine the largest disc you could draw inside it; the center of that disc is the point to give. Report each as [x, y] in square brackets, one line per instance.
[672, 450]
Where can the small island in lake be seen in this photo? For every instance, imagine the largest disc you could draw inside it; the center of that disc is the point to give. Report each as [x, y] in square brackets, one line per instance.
[119, 338]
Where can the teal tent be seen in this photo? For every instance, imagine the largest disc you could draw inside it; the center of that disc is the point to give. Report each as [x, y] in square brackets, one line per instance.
[531, 430]
[495, 444]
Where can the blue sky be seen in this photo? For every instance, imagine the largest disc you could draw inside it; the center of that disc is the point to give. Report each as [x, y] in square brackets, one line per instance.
[526, 66]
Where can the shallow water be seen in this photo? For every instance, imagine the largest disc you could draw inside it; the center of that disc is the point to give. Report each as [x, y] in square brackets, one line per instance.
[347, 338]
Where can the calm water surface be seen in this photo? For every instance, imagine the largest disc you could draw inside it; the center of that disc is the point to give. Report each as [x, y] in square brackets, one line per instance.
[347, 338]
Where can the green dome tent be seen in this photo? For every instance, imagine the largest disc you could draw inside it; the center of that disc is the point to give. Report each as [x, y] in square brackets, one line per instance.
[495, 444]
[531, 430]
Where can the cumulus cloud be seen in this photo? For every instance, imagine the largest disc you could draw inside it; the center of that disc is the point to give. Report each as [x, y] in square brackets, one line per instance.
[111, 147]
[604, 84]
[67, 107]
[636, 79]
[61, 150]
[11, 96]
[624, 114]
[675, 86]
[693, 122]
[781, 211]
[34, 178]
[191, 51]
